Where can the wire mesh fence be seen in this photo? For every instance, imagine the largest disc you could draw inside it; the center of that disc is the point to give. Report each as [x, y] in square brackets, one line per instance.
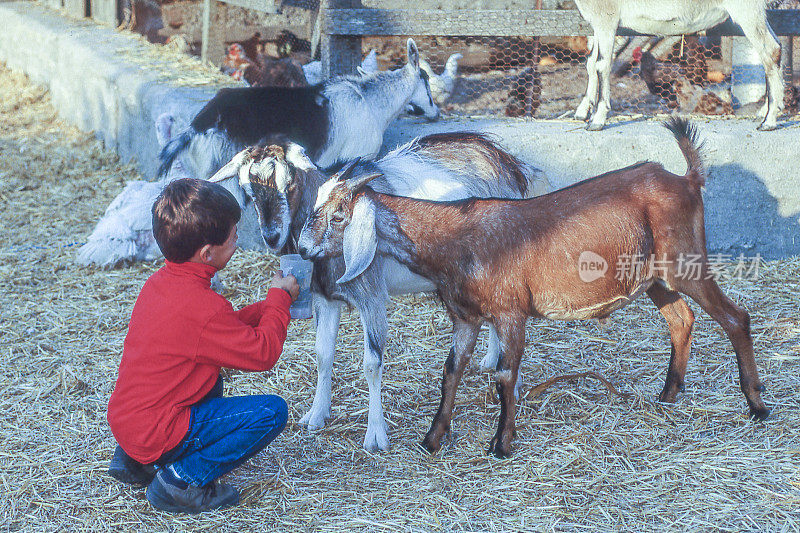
[479, 75]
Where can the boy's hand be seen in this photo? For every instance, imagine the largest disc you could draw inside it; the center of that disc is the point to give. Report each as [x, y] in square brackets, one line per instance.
[287, 283]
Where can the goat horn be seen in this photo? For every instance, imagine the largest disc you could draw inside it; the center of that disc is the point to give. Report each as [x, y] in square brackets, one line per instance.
[348, 169]
[356, 183]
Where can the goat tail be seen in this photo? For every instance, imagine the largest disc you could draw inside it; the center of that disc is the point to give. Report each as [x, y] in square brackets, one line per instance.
[170, 151]
[688, 140]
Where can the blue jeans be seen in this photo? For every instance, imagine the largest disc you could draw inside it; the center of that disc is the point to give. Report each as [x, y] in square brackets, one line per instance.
[224, 433]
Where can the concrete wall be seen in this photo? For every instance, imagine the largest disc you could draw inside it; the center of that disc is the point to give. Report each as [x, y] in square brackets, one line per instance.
[101, 80]
[752, 197]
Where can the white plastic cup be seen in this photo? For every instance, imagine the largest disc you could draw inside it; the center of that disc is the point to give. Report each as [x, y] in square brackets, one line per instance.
[301, 269]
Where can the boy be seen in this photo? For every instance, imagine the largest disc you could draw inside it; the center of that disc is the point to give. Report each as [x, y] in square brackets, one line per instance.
[176, 432]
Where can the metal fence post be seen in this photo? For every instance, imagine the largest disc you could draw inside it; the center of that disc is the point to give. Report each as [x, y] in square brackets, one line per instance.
[341, 54]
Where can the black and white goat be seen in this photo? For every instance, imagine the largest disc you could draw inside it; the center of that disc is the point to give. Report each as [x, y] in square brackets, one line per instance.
[503, 261]
[283, 184]
[335, 121]
[674, 17]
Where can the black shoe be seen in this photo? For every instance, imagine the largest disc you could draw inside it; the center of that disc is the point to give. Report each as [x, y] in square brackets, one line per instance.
[128, 470]
[166, 496]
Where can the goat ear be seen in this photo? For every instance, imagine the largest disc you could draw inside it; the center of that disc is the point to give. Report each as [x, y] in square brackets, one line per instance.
[413, 54]
[359, 240]
[356, 183]
[231, 169]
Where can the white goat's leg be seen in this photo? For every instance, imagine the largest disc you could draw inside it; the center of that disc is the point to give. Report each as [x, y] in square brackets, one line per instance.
[216, 284]
[590, 98]
[373, 318]
[489, 361]
[327, 315]
[753, 21]
[604, 42]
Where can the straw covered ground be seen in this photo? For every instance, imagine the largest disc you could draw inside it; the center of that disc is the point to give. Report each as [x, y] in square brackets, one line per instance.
[585, 459]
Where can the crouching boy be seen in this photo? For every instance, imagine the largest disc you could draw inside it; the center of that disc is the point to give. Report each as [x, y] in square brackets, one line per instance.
[176, 432]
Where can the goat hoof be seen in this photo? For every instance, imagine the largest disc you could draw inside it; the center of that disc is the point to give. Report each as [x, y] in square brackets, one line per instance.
[497, 449]
[376, 439]
[669, 394]
[432, 443]
[767, 127]
[594, 127]
[761, 388]
[759, 413]
[314, 421]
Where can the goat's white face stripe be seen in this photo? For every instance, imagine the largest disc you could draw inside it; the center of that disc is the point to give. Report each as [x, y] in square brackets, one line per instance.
[282, 178]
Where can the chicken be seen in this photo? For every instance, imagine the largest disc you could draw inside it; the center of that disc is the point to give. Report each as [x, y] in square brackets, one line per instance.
[659, 76]
[251, 46]
[285, 72]
[524, 96]
[670, 82]
[442, 84]
[143, 16]
[236, 62]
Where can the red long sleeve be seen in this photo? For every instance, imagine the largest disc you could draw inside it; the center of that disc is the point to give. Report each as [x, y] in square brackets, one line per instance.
[180, 334]
[223, 340]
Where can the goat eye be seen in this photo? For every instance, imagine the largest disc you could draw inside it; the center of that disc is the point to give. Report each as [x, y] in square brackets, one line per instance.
[337, 217]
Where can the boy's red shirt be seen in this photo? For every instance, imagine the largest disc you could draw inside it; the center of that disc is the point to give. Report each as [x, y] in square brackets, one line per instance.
[180, 334]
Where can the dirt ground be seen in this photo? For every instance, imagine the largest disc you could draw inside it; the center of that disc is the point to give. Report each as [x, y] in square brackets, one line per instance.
[584, 459]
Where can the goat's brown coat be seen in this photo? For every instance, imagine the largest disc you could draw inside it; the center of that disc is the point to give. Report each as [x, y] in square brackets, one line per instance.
[505, 260]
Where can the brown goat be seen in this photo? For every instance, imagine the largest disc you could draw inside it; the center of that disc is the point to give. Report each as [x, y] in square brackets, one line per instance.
[506, 260]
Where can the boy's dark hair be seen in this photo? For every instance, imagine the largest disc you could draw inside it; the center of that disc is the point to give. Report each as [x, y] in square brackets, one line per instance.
[190, 213]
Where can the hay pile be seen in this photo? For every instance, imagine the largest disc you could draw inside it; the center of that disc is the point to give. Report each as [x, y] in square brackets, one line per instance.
[585, 459]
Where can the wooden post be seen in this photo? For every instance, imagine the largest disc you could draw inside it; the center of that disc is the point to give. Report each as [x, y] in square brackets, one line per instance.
[207, 7]
[105, 11]
[341, 54]
[77, 8]
[787, 60]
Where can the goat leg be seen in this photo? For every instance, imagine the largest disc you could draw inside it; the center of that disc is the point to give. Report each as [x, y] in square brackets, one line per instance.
[512, 338]
[464, 337]
[327, 315]
[680, 320]
[373, 318]
[736, 323]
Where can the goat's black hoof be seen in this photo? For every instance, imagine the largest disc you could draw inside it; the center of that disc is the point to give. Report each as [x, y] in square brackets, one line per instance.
[431, 444]
[759, 413]
[761, 388]
[496, 449]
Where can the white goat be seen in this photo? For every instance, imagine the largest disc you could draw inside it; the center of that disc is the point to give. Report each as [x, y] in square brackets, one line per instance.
[283, 184]
[125, 231]
[335, 121]
[313, 70]
[674, 17]
[442, 85]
